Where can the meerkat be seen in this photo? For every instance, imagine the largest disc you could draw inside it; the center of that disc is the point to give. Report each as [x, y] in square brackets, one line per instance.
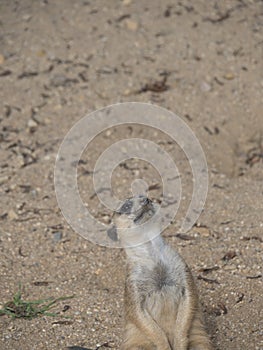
[162, 309]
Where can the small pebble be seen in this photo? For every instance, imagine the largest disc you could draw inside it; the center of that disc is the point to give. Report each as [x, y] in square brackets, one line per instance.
[57, 236]
[131, 25]
[205, 87]
[32, 125]
[126, 2]
[2, 59]
[12, 215]
[229, 76]
[27, 17]
[41, 53]
[203, 231]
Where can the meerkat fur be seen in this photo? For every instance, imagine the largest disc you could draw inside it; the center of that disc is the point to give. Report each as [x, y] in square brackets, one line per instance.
[162, 309]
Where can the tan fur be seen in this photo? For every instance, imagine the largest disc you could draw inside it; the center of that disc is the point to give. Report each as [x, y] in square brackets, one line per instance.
[161, 301]
[172, 325]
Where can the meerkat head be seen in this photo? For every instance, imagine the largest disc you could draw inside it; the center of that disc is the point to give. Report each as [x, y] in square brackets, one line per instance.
[132, 218]
[135, 211]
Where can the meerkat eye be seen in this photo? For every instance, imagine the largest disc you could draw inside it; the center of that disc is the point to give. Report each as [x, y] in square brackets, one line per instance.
[126, 208]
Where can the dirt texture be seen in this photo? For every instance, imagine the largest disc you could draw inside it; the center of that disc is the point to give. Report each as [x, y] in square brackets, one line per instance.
[60, 60]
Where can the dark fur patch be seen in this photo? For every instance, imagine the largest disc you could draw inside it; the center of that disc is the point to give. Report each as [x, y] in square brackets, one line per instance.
[112, 233]
[126, 208]
[162, 277]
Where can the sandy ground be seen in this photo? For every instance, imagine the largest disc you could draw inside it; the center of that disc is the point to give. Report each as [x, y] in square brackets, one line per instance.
[60, 60]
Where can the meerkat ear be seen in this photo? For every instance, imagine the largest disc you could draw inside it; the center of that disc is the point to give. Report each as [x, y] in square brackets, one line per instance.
[112, 233]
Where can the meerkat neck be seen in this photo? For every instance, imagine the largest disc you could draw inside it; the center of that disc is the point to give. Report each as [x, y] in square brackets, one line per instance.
[150, 250]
